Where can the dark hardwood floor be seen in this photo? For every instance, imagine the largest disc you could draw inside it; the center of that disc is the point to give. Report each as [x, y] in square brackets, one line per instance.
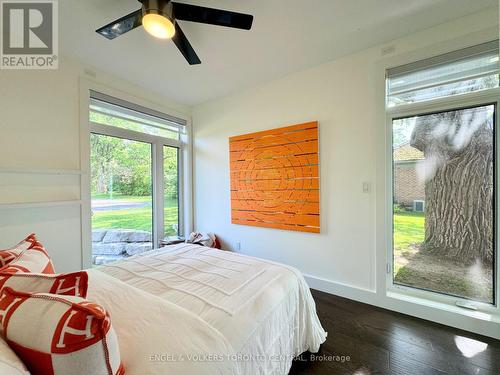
[379, 341]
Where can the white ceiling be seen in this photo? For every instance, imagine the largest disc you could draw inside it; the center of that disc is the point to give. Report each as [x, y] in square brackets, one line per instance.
[287, 36]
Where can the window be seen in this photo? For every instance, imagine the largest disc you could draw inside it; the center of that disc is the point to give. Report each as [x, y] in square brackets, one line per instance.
[135, 178]
[171, 190]
[103, 111]
[443, 173]
[460, 72]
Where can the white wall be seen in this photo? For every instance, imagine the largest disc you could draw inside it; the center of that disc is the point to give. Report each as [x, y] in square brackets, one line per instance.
[346, 97]
[40, 129]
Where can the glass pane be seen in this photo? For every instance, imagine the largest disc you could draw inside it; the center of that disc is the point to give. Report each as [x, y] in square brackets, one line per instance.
[479, 72]
[462, 87]
[171, 190]
[443, 219]
[113, 115]
[121, 186]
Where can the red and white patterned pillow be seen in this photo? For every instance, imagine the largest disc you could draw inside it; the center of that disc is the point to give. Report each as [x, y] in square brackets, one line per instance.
[55, 334]
[8, 255]
[68, 284]
[35, 260]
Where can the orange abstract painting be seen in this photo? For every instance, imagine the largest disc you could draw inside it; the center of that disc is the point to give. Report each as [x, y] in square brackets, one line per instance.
[275, 178]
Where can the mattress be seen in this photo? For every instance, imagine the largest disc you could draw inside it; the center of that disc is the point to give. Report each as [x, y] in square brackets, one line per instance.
[263, 310]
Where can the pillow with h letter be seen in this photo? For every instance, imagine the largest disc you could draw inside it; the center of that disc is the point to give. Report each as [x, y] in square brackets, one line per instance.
[68, 284]
[55, 335]
[8, 255]
[35, 260]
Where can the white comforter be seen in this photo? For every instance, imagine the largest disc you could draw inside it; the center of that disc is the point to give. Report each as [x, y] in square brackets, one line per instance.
[252, 316]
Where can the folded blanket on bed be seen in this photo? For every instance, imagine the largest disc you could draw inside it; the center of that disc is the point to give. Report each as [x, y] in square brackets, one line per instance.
[157, 337]
[263, 309]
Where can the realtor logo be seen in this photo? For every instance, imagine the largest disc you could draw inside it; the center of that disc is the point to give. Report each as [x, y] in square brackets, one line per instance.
[29, 34]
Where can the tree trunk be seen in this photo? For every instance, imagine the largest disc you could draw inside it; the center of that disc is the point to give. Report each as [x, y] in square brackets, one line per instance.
[102, 182]
[458, 172]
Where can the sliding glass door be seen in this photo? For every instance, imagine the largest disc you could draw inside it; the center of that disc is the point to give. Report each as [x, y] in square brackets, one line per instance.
[122, 197]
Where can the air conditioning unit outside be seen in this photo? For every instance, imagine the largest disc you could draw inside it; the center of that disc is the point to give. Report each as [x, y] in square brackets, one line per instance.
[418, 206]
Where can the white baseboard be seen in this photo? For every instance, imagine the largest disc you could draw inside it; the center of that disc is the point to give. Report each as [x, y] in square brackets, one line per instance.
[342, 290]
[482, 324]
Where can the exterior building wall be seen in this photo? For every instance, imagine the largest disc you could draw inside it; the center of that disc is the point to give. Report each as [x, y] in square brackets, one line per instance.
[407, 185]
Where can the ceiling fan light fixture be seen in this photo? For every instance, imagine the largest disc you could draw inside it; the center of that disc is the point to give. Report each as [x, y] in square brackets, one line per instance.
[157, 19]
[158, 26]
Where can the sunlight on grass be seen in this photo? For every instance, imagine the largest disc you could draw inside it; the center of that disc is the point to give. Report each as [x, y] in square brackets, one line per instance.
[409, 229]
[409, 232]
[135, 218]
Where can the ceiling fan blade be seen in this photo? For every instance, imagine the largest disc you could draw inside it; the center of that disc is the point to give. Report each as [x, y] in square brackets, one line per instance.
[122, 25]
[194, 13]
[185, 47]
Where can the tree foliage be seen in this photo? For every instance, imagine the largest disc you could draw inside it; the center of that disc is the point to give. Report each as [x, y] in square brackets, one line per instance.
[121, 166]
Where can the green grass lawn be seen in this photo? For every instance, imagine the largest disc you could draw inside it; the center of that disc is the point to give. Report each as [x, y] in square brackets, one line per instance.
[409, 228]
[409, 231]
[416, 267]
[135, 218]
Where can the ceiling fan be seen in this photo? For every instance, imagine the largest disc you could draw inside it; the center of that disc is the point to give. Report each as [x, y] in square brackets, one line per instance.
[159, 18]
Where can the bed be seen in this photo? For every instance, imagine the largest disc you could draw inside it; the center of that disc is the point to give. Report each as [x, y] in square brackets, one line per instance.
[196, 310]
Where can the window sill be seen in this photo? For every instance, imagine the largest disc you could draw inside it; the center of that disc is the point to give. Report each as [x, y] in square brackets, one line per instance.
[486, 316]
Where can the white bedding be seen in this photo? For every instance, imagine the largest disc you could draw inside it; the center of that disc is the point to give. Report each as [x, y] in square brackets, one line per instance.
[150, 328]
[261, 312]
